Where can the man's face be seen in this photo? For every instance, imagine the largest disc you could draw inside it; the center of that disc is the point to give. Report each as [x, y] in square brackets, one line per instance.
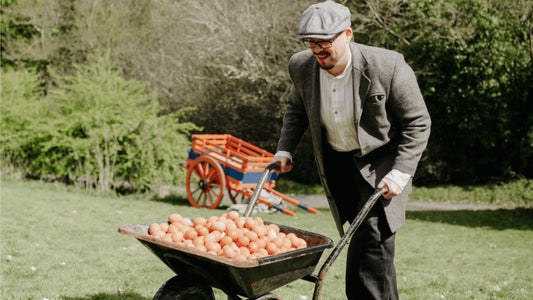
[328, 58]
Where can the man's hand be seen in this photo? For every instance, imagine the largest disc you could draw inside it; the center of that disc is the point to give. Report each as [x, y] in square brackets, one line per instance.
[285, 163]
[393, 188]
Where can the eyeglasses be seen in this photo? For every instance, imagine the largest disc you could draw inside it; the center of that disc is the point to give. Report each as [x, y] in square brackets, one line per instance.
[322, 43]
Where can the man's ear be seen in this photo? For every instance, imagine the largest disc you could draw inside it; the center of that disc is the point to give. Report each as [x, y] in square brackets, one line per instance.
[349, 34]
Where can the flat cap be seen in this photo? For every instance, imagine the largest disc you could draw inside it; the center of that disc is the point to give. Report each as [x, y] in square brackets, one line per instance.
[323, 20]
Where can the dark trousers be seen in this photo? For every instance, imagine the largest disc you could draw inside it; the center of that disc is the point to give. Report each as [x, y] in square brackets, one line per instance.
[370, 272]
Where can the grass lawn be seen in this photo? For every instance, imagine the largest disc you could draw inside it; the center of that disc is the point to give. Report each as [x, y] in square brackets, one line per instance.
[62, 243]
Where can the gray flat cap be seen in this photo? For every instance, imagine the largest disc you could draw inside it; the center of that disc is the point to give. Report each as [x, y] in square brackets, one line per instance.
[323, 20]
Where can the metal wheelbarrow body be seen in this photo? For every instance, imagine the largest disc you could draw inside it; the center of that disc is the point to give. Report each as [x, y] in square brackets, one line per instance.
[198, 272]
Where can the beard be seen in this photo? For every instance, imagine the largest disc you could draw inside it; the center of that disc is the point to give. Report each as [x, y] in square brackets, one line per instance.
[320, 57]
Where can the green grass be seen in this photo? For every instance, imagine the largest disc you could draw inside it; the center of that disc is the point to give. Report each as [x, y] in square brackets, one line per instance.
[62, 243]
[514, 194]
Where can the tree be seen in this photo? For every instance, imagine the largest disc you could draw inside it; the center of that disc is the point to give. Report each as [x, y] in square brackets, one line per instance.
[474, 63]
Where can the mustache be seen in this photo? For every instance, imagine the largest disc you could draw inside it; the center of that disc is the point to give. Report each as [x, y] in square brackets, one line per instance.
[321, 53]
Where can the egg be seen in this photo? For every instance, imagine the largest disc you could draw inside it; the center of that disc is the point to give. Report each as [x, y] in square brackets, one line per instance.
[174, 218]
[278, 241]
[272, 248]
[186, 222]
[154, 227]
[167, 237]
[218, 226]
[190, 234]
[213, 246]
[250, 223]
[244, 251]
[226, 241]
[199, 221]
[177, 237]
[243, 241]
[229, 252]
[252, 236]
[202, 230]
[261, 253]
[198, 242]
[260, 230]
[233, 215]
[274, 227]
[240, 221]
[229, 235]
[234, 234]
[261, 243]
[172, 228]
[212, 219]
[253, 247]
[163, 226]
[201, 248]
[272, 234]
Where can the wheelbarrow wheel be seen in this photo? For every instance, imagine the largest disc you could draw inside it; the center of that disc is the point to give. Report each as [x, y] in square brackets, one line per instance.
[206, 182]
[178, 288]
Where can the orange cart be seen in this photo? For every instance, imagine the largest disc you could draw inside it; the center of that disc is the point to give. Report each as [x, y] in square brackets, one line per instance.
[217, 162]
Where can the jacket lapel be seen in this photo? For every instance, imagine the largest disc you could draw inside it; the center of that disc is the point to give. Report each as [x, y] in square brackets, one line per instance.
[312, 82]
[361, 82]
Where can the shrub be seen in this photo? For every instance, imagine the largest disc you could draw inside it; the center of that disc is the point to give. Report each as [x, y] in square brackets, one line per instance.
[97, 128]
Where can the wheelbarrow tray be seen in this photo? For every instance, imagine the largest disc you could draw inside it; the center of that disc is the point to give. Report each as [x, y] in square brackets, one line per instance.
[250, 278]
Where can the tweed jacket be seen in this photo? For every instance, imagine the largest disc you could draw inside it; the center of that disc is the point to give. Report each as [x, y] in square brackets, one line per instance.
[391, 119]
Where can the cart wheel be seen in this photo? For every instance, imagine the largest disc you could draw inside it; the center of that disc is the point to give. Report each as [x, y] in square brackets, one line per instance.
[178, 288]
[206, 182]
[237, 198]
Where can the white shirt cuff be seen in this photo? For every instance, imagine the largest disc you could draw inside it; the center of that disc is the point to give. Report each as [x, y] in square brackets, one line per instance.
[399, 177]
[284, 154]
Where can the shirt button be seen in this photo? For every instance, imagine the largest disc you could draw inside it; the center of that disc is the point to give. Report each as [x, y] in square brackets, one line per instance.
[336, 112]
[334, 90]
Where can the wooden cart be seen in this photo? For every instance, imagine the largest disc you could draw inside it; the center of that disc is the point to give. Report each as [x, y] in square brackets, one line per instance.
[220, 162]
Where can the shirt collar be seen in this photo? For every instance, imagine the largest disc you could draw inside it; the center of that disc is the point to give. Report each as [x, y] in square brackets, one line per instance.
[344, 72]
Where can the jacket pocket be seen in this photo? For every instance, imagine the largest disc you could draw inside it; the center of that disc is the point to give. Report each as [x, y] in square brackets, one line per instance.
[376, 98]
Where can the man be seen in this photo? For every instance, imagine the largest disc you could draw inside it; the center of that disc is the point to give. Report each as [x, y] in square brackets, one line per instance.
[369, 126]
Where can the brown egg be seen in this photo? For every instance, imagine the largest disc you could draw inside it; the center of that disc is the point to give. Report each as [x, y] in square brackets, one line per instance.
[154, 227]
[243, 241]
[233, 215]
[252, 236]
[190, 234]
[225, 241]
[175, 218]
[177, 237]
[164, 226]
[199, 221]
[218, 226]
[234, 234]
[253, 247]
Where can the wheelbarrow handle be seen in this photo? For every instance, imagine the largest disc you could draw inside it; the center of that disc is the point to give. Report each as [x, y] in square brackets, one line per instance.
[344, 240]
[257, 190]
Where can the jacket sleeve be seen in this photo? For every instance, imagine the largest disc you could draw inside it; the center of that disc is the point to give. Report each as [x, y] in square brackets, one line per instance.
[409, 109]
[295, 120]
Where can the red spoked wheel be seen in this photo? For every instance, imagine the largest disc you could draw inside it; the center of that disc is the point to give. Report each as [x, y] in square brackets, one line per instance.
[206, 182]
[237, 198]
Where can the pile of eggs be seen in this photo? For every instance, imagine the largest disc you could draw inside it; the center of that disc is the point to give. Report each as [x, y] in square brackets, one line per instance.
[228, 235]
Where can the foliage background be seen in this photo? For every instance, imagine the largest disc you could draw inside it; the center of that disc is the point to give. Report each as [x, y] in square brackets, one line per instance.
[228, 60]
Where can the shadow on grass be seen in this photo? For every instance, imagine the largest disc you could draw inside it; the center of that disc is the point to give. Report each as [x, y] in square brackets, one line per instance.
[174, 199]
[501, 219]
[109, 296]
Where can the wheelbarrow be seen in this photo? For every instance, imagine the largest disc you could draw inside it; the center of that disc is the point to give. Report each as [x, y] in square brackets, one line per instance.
[198, 272]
